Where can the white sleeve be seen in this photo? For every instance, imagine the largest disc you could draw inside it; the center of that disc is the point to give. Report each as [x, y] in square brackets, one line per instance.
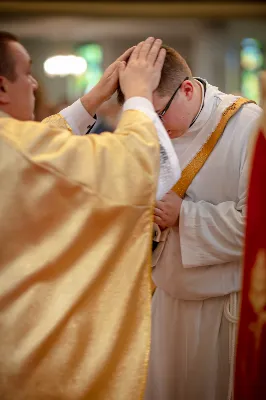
[169, 166]
[213, 234]
[78, 118]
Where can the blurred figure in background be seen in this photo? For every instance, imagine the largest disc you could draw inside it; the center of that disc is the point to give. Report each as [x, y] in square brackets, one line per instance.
[107, 117]
[250, 374]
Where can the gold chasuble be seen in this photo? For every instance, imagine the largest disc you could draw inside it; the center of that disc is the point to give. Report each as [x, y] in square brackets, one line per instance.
[75, 258]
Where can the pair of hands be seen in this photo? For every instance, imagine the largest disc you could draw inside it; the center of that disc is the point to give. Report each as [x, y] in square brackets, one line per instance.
[167, 210]
[138, 71]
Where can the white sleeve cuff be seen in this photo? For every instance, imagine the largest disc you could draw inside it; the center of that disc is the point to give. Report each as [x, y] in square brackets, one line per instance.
[77, 118]
[140, 104]
[137, 103]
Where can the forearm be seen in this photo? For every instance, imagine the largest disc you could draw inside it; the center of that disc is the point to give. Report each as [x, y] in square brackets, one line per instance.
[94, 99]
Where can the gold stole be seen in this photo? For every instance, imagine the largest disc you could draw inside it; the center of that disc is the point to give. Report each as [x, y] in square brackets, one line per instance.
[195, 165]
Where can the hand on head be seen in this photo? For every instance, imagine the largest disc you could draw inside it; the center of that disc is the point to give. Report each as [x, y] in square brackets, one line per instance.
[109, 81]
[138, 71]
[141, 75]
[107, 85]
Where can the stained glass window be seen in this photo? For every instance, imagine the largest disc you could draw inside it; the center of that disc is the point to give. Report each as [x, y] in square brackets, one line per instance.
[93, 54]
[251, 62]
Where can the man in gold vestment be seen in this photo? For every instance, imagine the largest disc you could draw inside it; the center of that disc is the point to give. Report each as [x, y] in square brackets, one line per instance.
[74, 287]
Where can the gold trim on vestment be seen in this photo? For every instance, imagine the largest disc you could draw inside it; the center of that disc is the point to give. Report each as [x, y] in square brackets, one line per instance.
[148, 347]
[257, 295]
[57, 121]
[195, 165]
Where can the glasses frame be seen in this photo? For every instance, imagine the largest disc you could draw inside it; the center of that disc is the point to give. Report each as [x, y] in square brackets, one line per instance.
[162, 113]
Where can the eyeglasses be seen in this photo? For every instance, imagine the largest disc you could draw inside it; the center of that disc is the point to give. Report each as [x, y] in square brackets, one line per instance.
[162, 113]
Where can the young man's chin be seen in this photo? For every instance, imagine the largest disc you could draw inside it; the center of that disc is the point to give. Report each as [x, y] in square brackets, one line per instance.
[175, 134]
[172, 134]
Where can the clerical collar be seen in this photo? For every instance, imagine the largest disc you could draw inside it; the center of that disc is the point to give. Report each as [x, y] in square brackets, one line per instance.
[203, 87]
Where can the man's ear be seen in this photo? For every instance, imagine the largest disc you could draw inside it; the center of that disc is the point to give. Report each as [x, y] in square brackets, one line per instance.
[4, 95]
[188, 89]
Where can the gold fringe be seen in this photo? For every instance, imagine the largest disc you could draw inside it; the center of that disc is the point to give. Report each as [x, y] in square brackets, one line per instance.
[57, 121]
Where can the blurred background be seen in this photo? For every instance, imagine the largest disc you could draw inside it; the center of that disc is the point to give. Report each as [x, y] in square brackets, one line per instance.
[224, 42]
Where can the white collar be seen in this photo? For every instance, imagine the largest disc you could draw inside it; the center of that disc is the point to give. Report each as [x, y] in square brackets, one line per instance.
[202, 102]
[205, 111]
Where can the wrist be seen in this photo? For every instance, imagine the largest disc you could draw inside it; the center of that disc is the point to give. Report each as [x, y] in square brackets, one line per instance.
[93, 100]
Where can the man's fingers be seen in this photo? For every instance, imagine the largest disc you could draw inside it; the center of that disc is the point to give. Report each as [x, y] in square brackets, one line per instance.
[154, 51]
[158, 220]
[158, 212]
[136, 51]
[158, 204]
[160, 59]
[125, 56]
[161, 204]
[146, 47]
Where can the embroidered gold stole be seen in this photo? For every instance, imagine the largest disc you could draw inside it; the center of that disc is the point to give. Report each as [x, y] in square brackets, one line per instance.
[195, 165]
